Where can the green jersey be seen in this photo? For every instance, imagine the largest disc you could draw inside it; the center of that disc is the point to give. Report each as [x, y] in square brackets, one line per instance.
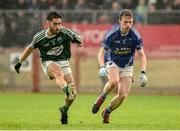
[57, 47]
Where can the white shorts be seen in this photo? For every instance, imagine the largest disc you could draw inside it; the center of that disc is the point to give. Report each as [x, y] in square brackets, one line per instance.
[64, 65]
[123, 72]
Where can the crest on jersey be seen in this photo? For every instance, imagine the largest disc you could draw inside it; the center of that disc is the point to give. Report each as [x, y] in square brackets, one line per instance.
[124, 41]
[59, 39]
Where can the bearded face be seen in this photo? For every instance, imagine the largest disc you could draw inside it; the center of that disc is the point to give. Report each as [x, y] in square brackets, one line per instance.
[54, 25]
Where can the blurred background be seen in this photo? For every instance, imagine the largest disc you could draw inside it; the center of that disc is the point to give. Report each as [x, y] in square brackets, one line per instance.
[158, 22]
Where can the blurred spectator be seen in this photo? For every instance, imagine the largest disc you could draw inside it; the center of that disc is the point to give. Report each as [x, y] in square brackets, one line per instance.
[152, 6]
[2, 25]
[23, 27]
[107, 4]
[42, 4]
[80, 5]
[115, 7]
[128, 4]
[63, 4]
[167, 5]
[176, 4]
[103, 19]
[22, 4]
[8, 4]
[2, 29]
[140, 11]
[95, 4]
[1, 4]
[34, 4]
[9, 37]
[51, 4]
[35, 23]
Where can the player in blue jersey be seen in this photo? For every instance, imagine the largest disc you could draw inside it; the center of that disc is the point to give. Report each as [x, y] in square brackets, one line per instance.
[116, 58]
[54, 46]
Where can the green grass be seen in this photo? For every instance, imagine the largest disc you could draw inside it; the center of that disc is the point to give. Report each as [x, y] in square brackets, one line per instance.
[40, 111]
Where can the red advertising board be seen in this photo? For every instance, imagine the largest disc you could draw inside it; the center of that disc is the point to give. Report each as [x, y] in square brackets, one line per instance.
[161, 41]
[92, 34]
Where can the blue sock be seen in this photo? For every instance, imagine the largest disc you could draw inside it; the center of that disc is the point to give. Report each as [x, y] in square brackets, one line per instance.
[103, 96]
[108, 110]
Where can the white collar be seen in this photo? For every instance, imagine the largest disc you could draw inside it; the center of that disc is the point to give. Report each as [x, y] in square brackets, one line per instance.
[125, 34]
[47, 34]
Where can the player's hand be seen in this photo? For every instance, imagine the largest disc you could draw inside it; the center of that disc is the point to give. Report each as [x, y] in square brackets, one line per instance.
[78, 44]
[143, 79]
[17, 66]
[102, 71]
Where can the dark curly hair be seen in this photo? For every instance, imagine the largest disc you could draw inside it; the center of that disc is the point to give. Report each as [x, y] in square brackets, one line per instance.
[52, 15]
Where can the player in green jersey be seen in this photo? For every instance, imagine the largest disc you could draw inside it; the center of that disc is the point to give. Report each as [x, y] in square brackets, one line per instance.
[54, 46]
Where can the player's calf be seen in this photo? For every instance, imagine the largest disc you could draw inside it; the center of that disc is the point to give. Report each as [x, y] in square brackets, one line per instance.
[98, 103]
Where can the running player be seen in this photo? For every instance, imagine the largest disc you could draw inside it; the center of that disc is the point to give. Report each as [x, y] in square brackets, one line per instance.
[116, 58]
[54, 45]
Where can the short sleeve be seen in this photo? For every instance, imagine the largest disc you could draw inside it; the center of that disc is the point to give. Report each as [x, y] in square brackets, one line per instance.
[137, 39]
[74, 37]
[106, 43]
[139, 43]
[33, 43]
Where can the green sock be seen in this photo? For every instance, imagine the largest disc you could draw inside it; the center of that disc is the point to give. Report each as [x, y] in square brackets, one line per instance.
[64, 108]
[65, 89]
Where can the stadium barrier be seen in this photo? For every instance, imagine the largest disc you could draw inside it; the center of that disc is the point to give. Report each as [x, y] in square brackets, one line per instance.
[162, 49]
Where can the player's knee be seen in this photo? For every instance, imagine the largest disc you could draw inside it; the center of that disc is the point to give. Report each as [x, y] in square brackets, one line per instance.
[114, 83]
[123, 95]
[75, 92]
[121, 98]
[58, 74]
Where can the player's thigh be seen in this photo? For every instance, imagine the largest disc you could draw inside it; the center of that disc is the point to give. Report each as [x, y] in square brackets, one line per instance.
[124, 85]
[113, 74]
[55, 70]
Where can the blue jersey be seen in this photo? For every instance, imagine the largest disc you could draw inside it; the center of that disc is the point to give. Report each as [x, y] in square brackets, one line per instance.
[121, 49]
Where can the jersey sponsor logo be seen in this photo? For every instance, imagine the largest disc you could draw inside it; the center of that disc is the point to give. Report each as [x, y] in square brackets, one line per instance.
[55, 51]
[122, 51]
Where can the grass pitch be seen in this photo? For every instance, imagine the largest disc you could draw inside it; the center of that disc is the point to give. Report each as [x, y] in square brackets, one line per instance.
[40, 111]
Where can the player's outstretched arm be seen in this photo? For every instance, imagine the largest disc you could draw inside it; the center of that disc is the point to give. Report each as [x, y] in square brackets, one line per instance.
[143, 61]
[102, 71]
[75, 38]
[101, 56]
[79, 44]
[24, 55]
[78, 41]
